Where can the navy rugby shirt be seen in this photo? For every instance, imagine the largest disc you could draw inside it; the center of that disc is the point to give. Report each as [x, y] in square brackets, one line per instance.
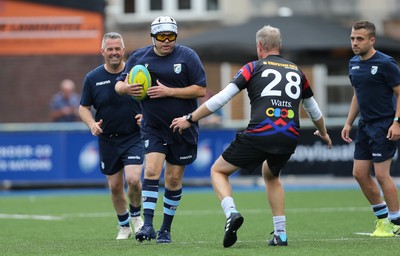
[117, 111]
[373, 80]
[179, 69]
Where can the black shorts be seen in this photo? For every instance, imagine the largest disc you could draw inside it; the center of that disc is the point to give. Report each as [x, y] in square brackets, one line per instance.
[242, 154]
[177, 154]
[116, 151]
[371, 142]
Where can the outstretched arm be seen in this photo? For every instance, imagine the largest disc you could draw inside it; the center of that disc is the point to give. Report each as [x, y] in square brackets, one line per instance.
[313, 111]
[208, 107]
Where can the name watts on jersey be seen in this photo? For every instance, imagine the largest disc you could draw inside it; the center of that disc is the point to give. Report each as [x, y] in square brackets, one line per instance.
[281, 103]
[103, 82]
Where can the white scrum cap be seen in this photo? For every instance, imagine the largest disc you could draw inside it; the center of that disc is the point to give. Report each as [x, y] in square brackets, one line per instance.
[164, 24]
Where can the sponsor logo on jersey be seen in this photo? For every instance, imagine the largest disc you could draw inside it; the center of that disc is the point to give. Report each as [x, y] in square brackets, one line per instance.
[103, 82]
[177, 68]
[280, 112]
[374, 69]
[355, 67]
[277, 64]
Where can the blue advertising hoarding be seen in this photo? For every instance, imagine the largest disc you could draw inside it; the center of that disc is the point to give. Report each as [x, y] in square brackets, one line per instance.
[72, 156]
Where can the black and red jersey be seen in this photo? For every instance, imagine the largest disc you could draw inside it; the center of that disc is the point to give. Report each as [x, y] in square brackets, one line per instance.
[275, 88]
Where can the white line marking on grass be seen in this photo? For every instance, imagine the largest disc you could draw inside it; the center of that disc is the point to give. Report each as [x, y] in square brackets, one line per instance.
[89, 215]
[29, 217]
[267, 210]
[329, 209]
[217, 212]
[363, 233]
[349, 239]
[182, 213]
[368, 234]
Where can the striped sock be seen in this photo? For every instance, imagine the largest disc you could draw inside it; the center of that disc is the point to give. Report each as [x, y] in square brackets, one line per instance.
[380, 210]
[171, 203]
[394, 217]
[123, 220]
[149, 197]
[134, 211]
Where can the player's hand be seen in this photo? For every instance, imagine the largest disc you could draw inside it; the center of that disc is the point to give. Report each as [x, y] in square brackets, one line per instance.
[139, 118]
[393, 132]
[96, 128]
[159, 91]
[179, 124]
[325, 138]
[346, 134]
[134, 89]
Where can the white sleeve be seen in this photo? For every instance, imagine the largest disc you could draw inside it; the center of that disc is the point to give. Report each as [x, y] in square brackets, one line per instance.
[223, 97]
[312, 108]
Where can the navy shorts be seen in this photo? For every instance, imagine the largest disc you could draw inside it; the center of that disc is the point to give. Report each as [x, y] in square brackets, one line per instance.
[177, 153]
[116, 151]
[371, 142]
[243, 154]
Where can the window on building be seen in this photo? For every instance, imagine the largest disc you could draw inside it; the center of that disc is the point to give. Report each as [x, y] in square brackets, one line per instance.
[212, 5]
[129, 6]
[156, 5]
[138, 10]
[184, 5]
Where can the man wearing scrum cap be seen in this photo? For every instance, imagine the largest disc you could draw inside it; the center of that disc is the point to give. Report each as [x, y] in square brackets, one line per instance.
[178, 79]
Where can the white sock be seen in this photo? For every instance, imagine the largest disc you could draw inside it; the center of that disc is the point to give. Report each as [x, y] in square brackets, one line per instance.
[228, 205]
[279, 225]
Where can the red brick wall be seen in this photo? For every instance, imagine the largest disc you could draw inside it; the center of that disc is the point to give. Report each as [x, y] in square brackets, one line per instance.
[27, 83]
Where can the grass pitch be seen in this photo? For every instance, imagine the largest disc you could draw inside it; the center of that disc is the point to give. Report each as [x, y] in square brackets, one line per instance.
[321, 222]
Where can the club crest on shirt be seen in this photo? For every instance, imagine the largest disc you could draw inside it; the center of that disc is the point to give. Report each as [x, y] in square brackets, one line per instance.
[374, 69]
[177, 68]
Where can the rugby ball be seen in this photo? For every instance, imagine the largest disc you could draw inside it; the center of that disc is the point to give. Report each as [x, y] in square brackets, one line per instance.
[140, 75]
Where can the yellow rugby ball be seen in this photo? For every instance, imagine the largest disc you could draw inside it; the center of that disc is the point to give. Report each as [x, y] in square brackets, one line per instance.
[140, 75]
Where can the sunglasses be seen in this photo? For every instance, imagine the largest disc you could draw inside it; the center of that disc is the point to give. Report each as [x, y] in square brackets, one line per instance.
[162, 37]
